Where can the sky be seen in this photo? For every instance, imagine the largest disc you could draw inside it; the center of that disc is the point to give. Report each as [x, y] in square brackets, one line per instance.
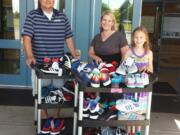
[15, 5]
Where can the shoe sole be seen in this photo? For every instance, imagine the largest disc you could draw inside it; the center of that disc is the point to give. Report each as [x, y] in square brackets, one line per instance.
[45, 132]
[107, 83]
[57, 133]
[49, 72]
[95, 85]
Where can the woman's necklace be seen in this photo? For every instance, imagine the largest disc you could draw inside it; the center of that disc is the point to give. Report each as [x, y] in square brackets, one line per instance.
[106, 35]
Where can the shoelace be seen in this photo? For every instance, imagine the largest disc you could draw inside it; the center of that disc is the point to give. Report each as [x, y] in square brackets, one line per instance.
[54, 99]
[53, 70]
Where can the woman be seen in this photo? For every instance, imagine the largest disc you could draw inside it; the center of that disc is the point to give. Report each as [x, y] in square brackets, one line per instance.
[110, 44]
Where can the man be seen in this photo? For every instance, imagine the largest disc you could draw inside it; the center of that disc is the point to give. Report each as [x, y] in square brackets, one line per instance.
[44, 33]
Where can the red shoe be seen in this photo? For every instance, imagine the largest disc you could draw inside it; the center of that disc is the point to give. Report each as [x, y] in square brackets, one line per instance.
[46, 127]
[57, 127]
[110, 67]
[95, 81]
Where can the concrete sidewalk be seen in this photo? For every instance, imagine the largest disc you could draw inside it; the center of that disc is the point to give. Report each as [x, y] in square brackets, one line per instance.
[20, 121]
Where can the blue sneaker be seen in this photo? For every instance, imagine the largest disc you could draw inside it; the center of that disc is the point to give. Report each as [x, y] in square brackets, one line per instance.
[75, 64]
[117, 78]
[46, 127]
[47, 89]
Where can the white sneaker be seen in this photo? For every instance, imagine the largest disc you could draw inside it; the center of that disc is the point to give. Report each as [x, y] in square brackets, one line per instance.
[127, 106]
[130, 81]
[52, 69]
[131, 116]
[145, 78]
[121, 69]
[132, 69]
[138, 81]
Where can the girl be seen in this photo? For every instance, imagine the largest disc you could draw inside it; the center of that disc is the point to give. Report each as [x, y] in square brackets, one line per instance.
[140, 50]
[143, 58]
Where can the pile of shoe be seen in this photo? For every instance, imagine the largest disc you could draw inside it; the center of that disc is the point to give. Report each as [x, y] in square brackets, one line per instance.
[53, 95]
[92, 108]
[93, 74]
[128, 74]
[95, 109]
[52, 126]
[137, 80]
[105, 74]
[105, 131]
[127, 67]
[57, 66]
[132, 106]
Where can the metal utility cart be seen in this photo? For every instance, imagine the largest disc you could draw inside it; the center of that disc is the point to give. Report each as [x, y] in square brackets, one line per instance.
[114, 123]
[39, 75]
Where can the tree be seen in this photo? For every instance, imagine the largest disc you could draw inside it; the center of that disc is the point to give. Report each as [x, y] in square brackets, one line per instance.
[16, 14]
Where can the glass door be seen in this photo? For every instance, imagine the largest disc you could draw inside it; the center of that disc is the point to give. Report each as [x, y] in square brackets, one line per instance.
[13, 70]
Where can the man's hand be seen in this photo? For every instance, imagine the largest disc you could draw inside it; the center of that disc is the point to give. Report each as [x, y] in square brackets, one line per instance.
[30, 61]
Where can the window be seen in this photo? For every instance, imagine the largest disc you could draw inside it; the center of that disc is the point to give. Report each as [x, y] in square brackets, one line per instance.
[9, 19]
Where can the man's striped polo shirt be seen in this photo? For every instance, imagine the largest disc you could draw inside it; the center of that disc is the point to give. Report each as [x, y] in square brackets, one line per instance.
[48, 36]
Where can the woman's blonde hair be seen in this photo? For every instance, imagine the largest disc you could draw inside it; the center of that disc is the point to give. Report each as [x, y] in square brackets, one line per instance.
[109, 13]
[147, 44]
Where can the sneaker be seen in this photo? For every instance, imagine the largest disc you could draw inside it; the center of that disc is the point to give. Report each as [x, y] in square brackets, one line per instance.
[107, 131]
[74, 64]
[69, 87]
[89, 95]
[94, 111]
[95, 79]
[138, 81]
[86, 107]
[52, 69]
[45, 90]
[131, 116]
[66, 61]
[117, 79]
[105, 79]
[132, 69]
[145, 78]
[85, 77]
[57, 127]
[121, 69]
[120, 131]
[108, 115]
[53, 98]
[81, 66]
[89, 67]
[127, 106]
[130, 81]
[63, 95]
[46, 127]
[111, 68]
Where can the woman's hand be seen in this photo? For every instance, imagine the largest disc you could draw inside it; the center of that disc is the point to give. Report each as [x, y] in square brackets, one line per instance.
[98, 60]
